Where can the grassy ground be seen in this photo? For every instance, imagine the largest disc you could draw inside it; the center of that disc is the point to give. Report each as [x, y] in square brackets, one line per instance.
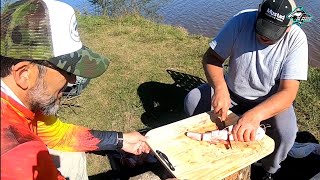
[138, 92]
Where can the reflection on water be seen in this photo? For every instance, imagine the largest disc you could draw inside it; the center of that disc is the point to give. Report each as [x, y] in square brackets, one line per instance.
[203, 16]
[207, 17]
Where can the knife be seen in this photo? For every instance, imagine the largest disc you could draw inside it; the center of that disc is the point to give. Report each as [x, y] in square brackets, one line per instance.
[228, 138]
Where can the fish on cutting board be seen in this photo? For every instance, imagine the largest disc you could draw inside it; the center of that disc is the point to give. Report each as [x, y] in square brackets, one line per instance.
[220, 135]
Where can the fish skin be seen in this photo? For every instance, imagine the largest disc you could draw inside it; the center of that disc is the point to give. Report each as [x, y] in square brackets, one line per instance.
[220, 135]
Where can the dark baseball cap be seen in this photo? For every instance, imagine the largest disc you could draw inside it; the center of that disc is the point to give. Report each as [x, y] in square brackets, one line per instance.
[272, 21]
[46, 30]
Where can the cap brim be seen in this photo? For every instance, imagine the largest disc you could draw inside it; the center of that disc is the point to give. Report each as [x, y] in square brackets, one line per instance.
[270, 30]
[83, 63]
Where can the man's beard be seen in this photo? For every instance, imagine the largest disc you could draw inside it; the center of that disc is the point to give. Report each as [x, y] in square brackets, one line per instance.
[41, 101]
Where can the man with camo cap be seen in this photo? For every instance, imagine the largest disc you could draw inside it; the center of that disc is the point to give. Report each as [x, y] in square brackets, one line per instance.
[41, 52]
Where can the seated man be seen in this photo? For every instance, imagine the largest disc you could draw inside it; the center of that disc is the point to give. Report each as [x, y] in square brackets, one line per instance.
[268, 56]
[40, 53]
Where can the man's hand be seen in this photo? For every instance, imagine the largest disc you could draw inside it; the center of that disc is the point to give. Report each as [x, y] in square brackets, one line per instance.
[246, 128]
[212, 65]
[135, 143]
[221, 102]
[249, 122]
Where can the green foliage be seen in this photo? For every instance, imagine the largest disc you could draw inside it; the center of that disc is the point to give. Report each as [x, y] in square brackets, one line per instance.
[308, 103]
[116, 8]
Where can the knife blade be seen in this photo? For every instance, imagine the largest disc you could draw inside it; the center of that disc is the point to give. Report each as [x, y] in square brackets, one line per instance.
[228, 138]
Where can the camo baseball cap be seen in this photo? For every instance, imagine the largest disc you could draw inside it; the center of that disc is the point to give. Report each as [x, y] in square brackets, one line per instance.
[47, 30]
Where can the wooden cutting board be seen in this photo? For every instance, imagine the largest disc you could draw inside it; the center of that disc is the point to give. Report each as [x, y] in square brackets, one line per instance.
[193, 159]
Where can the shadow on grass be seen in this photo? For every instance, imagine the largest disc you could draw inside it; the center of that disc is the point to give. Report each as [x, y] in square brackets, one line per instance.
[163, 103]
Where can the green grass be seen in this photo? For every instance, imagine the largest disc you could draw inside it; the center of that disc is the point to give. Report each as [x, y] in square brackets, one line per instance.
[308, 103]
[140, 52]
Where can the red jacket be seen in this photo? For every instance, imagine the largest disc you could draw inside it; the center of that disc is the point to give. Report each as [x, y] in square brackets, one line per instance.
[23, 154]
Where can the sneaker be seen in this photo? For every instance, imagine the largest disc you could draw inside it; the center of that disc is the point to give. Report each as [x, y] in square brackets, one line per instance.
[76, 89]
[258, 173]
[267, 176]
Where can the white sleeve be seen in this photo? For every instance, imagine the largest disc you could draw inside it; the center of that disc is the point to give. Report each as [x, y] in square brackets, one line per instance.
[222, 44]
[296, 62]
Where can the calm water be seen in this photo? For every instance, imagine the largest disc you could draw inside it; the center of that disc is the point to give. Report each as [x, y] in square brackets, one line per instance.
[206, 17]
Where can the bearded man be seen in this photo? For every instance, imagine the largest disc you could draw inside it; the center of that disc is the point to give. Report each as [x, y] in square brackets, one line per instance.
[41, 53]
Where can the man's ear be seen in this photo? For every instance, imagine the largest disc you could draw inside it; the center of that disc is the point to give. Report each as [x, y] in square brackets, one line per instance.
[20, 73]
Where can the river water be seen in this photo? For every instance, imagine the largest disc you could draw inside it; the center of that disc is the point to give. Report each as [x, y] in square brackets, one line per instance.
[207, 17]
